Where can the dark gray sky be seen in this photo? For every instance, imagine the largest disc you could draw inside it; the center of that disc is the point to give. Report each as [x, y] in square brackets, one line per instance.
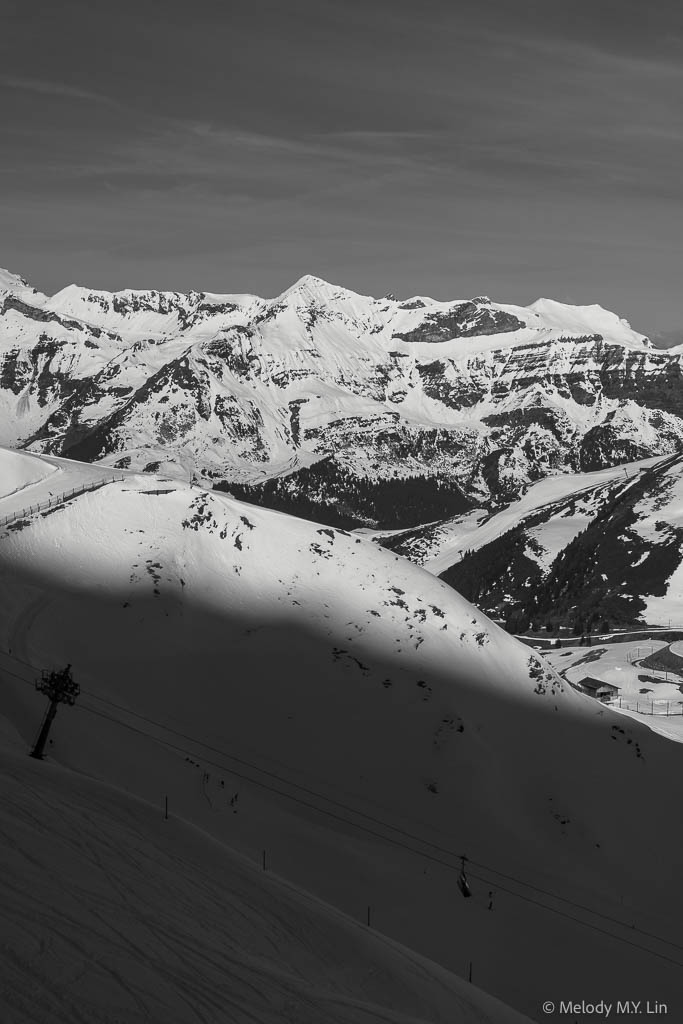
[516, 148]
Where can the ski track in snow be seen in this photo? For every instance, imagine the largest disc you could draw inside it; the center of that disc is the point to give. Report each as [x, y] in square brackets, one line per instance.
[110, 914]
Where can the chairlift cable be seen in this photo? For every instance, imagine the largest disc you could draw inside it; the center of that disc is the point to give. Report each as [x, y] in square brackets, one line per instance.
[377, 821]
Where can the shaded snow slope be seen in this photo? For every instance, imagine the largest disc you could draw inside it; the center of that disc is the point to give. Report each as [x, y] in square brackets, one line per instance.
[110, 912]
[298, 689]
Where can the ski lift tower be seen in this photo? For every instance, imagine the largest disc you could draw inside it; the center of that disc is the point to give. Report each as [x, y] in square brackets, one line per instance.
[60, 688]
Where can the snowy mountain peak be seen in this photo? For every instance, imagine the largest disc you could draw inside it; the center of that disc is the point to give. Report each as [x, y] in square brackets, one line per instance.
[16, 285]
[9, 281]
[311, 290]
[310, 281]
[586, 319]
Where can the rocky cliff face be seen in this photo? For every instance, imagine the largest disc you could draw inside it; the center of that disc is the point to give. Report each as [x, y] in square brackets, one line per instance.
[236, 389]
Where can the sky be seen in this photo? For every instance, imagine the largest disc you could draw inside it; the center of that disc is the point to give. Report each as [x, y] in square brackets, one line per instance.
[513, 148]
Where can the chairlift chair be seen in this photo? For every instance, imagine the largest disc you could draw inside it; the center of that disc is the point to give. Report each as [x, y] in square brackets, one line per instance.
[463, 884]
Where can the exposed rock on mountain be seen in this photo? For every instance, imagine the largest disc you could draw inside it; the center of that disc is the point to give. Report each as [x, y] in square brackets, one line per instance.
[466, 320]
[480, 398]
[606, 556]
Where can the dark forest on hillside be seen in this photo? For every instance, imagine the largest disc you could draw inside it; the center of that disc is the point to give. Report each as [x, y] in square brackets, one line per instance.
[330, 494]
[584, 589]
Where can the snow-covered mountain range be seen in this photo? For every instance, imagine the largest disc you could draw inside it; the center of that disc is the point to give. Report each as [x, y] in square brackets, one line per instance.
[299, 690]
[325, 402]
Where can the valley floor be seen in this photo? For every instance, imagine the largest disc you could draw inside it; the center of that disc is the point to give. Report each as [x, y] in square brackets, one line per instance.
[648, 694]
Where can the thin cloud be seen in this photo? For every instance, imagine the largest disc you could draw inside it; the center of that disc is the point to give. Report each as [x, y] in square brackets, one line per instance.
[166, 154]
[39, 85]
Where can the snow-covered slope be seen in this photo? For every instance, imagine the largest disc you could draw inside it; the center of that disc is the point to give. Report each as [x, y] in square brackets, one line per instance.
[20, 472]
[439, 545]
[585, 319]
[12, 284]
[485, 396]
[110, 912]
[594, 551]
[152, 312]
[298, 690]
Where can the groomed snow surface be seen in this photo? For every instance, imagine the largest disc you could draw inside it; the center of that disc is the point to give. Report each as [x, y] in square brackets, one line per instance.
[20, 472]
[298, 690]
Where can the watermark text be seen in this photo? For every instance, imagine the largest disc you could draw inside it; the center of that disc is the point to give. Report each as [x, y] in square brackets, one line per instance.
[617, 1008]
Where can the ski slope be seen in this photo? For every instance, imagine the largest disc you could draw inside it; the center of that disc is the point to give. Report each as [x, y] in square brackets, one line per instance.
[19, 473]
[111, 913]
[27, 481]
[299, 690]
